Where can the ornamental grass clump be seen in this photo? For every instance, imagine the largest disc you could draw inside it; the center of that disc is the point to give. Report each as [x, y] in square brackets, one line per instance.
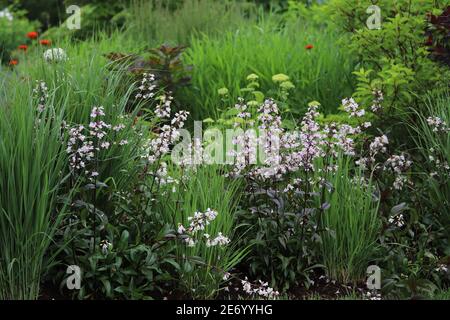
[33, 159]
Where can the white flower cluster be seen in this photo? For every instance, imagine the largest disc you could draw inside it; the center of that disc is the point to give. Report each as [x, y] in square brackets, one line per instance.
[397, 220]
[245, 152]
[55, 55]
[282, 152]
[377, 100]
[352, 107]
[162, 110]
[40, 92]
[162, 176]
[84, 143]
[260, 289]
[105, 246]
[373, 295]
[80, 149]
[5, 13]
[219, 240]
[438, 124]
[398, 164]
[441, 166]
[160, 145]
[198, 222]
[147, 87]
[243, 112]
[378, 145]
[442, 268]
[97, 126]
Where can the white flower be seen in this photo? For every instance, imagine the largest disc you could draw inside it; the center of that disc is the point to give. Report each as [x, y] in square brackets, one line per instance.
[190, 242]
[105, 246]
[378, 145]
[352, 108]
[181, 229]
[5, 13]
[373, 295]
[55, 54]
[220, 240]
[398, 220]
[437, 124]
[119, 127]
[442, 268]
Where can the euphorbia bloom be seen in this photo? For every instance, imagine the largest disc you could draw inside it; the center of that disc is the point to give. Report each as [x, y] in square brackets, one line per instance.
[45, 42]
[32, 35]
[23, 47]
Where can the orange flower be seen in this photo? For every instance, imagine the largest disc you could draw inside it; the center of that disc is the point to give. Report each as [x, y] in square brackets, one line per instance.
[309, 46]
[45, 42]
[32, 35]
[23, 47]
[13, 62]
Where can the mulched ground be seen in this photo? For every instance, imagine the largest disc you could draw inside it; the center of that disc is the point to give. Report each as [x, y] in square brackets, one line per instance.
[322, 288]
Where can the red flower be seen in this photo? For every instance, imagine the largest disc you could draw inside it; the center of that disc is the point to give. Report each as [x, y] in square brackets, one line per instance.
[13, 62]
[23, 47]
[309, 46]
[32, 35]
[45, 42]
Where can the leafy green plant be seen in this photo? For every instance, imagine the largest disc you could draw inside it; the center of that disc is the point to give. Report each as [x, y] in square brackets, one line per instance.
[395, 57]
[439, 36]
[134, 253]
[163, 62]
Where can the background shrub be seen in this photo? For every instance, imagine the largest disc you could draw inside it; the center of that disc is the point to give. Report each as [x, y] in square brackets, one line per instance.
[13, 33]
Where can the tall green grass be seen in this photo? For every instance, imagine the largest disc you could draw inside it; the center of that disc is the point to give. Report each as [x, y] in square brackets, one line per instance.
[156, 21]
[353, 225]
[268, 48]
[32, 160]
[205, 188]
[434, 146]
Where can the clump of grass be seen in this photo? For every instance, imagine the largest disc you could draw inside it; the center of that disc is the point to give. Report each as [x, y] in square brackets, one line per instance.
[32, 160]
[198, 191]
[434, 146]
[352, 225]
[156, 21]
